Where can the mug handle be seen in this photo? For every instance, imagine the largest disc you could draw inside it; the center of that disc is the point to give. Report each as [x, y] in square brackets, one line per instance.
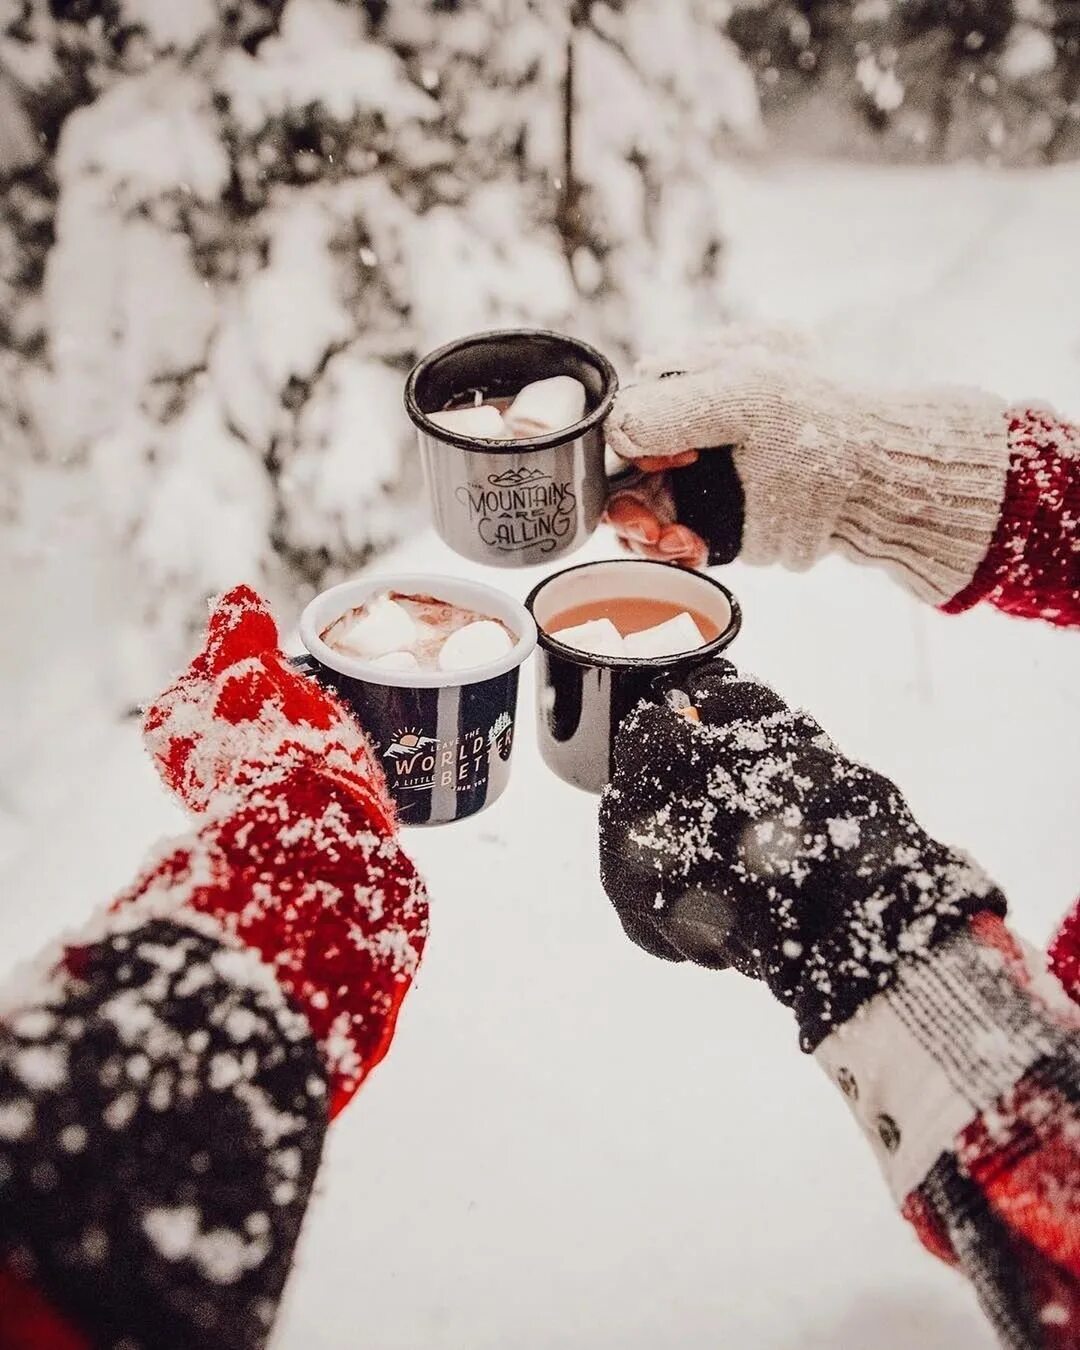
[306, 664]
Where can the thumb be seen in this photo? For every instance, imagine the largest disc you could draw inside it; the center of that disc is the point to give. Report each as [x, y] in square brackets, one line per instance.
[665, 417]
[240, 626]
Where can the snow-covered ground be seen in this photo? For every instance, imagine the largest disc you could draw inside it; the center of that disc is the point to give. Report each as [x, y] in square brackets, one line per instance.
[575, 1146]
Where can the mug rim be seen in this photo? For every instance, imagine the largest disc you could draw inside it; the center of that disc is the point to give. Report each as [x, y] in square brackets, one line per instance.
[423, 582]
[519, 445]
[660, 663]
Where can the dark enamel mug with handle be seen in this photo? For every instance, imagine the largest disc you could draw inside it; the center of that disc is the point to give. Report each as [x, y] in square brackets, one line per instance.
[512, 503]
[582, 698]
[443, 737]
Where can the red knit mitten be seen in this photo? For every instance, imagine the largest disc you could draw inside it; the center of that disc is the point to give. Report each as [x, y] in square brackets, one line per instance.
[240, 712]
[297, 856]
[165, 1087]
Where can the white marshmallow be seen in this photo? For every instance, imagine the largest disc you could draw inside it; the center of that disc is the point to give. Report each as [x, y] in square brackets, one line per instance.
[680, 634]
[397, 661]
[546, 405]
[598, 637]
[474, 645]
[385, 626]
[484, 422]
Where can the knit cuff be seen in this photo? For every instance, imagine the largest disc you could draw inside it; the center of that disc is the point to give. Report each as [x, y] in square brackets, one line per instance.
[928, 493]
[942, 1044]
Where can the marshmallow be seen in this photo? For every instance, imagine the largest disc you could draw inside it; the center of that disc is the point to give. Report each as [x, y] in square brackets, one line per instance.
[397, 661]
[546, 405]
[598, 637]
[484, 422]
[474, 645]
[680, 634]
[384, 627]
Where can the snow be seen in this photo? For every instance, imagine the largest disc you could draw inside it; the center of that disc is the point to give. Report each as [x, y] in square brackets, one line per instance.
[317, 58]
[1030, 51]
[222, 1255]
[16, 1120]
[881, 84]
[572, 1144]
[41, 1067]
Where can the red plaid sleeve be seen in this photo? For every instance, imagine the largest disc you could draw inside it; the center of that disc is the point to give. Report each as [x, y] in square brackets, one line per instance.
[966, 1079]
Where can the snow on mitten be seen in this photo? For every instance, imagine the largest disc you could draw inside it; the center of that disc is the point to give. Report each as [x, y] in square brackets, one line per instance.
[166, 1080]
[798, 466]
[297, 856]
[240, 710]
[747, 839]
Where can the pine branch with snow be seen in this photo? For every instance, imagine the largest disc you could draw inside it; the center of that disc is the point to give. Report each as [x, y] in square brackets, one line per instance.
[243, 222]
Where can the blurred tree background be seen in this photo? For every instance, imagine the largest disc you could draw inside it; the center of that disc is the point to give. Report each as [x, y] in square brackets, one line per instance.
[991, 80]
[230, 226]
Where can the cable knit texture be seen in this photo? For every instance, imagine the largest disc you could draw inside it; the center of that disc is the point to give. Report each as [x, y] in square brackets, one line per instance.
[1032, 567]
[912, 483]
[931, 474]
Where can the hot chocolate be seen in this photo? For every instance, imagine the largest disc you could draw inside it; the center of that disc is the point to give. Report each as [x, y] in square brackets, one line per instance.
[632, 626]
[611, 634]
[539, 408]
[418, 632]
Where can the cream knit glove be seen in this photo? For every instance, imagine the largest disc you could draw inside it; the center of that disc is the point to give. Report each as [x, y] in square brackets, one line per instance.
[911, 482]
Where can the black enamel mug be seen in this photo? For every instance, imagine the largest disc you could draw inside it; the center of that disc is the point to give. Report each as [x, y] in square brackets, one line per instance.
[512, 503]
[443, 738]
[582, 698]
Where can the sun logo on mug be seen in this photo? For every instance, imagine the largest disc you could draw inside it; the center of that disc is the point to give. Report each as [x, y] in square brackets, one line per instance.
[409, 742]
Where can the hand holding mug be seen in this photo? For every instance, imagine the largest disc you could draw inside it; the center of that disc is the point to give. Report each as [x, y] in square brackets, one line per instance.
[747, 451]
[742, 837]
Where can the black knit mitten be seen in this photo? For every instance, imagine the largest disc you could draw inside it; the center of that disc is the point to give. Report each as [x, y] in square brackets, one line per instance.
[747, 839]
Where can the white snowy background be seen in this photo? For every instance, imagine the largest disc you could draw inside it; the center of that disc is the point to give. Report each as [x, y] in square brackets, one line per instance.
[571, 1145]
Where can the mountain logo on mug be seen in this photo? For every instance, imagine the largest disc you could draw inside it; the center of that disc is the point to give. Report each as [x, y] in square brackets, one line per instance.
[516, 477]
[520, 509]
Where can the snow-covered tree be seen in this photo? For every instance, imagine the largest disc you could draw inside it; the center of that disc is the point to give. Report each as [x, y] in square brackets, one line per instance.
[235, 223]
[994, 80]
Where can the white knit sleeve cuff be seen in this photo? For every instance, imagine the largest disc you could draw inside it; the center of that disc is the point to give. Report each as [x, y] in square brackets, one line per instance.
[941, 1045]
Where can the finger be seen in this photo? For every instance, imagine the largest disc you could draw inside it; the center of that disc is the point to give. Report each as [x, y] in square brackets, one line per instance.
[660, 464]
[679, 543]
[658, 419]
[642, 933]
[723, 697]
[632, 520]
[649, 551]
